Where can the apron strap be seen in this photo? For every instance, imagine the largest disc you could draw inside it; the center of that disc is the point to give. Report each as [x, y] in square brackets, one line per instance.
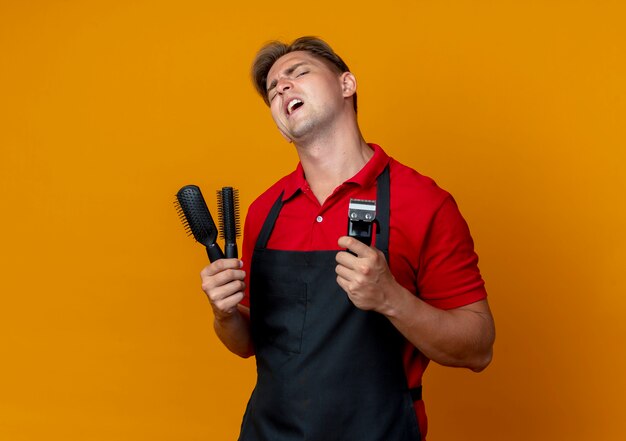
[270, 221]
[382, 211]
[416, 393]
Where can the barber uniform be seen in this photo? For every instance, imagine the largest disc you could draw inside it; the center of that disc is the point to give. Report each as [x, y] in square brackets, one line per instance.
[327, 371]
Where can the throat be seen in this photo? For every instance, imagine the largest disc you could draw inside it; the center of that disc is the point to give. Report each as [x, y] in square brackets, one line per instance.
[326, 168]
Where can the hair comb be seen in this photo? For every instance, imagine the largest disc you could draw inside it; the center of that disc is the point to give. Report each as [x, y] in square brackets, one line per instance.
[228, 215]
[197, 220]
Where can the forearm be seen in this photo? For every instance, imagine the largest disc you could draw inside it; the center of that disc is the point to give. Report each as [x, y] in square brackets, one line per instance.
[234, 331]
[461, 337]
[458, 337]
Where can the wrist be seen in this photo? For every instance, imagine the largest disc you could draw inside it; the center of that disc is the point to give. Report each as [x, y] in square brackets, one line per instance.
[391, 306]
[225, 317]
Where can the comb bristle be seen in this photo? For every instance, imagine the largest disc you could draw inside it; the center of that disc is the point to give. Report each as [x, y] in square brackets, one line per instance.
[195, 215]
[236, 203]
[227, 209]
[229, 219]
[181, 215]
[220, 214]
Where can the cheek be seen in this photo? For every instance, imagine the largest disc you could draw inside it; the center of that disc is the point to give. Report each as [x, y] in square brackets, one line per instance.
[277, 119]
[274, 111]
[330, 90]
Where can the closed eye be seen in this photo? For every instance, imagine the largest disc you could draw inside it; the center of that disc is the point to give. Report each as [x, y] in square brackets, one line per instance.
[289, 72]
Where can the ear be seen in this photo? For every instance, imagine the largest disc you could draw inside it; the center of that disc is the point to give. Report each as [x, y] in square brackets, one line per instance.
[285, 135]
[348, 84]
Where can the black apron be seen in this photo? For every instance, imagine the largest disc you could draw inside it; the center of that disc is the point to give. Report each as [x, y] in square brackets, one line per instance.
[327, 371]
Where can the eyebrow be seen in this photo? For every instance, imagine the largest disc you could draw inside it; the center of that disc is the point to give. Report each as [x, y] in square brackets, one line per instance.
[288, 71]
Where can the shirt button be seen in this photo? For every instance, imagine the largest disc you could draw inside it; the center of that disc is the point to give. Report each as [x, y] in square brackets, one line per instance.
[319, 219]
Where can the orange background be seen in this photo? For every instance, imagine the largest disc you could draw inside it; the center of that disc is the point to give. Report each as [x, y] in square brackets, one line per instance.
[108, 107]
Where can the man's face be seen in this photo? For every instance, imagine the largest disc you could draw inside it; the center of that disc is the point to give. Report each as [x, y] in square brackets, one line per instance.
[305, 94]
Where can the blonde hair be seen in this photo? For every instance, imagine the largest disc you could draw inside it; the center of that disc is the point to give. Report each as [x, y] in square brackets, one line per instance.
[272, 51]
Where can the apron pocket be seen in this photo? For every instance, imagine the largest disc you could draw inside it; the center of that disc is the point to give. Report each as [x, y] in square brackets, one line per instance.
[278, 311]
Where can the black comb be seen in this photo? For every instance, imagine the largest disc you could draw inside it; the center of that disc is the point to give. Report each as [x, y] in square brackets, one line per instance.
[228, 215]
[197, 219]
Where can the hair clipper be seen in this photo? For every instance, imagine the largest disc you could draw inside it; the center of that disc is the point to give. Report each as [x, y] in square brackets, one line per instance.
[361, 220]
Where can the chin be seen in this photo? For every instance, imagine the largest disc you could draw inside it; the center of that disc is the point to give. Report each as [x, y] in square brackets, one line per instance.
[302, 130]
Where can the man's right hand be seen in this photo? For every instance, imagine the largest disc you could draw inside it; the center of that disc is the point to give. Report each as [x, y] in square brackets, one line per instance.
[222, 282]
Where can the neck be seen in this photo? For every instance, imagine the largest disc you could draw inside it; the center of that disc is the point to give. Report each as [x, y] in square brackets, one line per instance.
[328, 161]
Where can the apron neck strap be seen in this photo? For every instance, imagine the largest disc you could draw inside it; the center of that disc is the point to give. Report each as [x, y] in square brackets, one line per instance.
[269, 223]
[382, 211]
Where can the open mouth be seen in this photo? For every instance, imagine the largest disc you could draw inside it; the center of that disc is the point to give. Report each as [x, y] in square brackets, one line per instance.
[293, 105]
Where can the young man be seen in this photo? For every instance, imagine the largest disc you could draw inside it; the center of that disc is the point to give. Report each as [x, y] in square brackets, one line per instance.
[342, 331]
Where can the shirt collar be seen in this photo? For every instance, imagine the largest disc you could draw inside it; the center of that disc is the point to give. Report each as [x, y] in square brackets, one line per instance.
[374, 167]
[364, 178]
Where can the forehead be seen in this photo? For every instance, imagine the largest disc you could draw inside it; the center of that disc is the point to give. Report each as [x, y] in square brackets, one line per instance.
[286, 61]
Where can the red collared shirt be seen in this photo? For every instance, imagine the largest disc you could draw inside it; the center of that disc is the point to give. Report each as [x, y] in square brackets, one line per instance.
[431, 252]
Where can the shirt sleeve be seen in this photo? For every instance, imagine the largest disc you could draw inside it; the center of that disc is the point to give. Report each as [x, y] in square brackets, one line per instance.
[448, 275]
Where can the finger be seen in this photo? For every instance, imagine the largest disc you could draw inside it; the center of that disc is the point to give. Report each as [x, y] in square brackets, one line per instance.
[221, 265]
[346, 259]
[225, 291]
[345, 273]
[354, 245]
[343, 283]
[229, 304]
[211, 282]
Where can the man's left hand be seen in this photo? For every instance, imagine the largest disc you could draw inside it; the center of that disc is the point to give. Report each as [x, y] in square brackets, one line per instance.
[365, 277]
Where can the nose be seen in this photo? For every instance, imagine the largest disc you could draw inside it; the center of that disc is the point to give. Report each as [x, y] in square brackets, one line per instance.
[283, 85]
